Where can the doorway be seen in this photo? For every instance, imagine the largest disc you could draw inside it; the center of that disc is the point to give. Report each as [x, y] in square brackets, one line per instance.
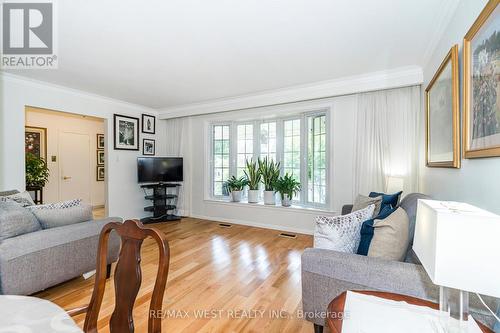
[75, 154]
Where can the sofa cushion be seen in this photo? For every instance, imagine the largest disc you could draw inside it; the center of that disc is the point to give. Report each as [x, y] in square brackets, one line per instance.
[390, 237]
[23, 198]
[363, 201]
[409, 204]
[38, 260]
[63, 213]
[341, 233]
[366, 234]
[16, 220]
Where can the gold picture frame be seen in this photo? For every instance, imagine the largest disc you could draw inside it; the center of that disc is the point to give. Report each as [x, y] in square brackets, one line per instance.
[480, 148]
[450, 63]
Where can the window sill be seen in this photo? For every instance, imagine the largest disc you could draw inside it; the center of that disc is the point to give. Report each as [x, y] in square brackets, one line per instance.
[261, 205]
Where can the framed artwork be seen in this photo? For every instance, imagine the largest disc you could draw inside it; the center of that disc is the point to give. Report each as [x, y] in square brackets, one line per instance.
[100, 173]
[148, 124]
[481, 84]
[148, 147]
[35, 141]
[100, 141]
[442, 110]
[100, 157]
[126, 132]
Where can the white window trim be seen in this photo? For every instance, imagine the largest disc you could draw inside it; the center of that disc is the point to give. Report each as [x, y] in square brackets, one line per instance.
[233, 156]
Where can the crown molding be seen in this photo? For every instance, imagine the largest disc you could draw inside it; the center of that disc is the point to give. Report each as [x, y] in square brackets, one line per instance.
[9, 77]
[399, 77]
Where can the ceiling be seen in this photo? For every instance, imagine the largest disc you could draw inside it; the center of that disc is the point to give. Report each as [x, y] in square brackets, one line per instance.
[167, 53]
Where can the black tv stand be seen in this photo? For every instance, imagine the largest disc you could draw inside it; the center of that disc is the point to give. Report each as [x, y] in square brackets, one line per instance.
[163, 202]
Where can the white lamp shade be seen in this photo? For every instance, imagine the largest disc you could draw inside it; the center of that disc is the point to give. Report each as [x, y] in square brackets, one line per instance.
[459, 246]
[394, 184]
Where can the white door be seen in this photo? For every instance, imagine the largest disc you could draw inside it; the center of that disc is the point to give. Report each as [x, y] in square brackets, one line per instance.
[74, 166]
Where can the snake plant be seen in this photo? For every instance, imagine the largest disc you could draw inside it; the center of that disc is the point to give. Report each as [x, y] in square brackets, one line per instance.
[270, 172]
[252, 174]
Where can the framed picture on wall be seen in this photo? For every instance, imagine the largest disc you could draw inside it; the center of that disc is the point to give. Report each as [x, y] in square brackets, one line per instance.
[126, 132]
[148, 124]
[481, 84]
[100, 141]
[442, 110]
[100, 173]
[35, 141]
[148, 147]
[100, 157]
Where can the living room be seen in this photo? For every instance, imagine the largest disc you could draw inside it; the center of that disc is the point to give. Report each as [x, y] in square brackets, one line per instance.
[261, 148]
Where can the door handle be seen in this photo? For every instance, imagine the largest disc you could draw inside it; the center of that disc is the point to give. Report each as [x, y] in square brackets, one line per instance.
[66, 177]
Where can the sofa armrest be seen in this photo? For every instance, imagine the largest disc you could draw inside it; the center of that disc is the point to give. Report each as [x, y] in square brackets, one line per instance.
[372, 273]
[346, 209]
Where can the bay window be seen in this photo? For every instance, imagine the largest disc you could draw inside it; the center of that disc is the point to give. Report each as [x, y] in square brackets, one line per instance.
[299, 143]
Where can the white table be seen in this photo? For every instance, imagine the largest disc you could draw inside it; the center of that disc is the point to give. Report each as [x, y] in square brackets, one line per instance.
[24, 314]
[367, 313]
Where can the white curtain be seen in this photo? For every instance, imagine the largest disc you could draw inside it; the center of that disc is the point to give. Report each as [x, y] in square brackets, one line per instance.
[176, 143]
[387, 139]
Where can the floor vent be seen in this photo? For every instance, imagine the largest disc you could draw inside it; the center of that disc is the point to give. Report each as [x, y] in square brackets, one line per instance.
[225, 225]
[284, 234]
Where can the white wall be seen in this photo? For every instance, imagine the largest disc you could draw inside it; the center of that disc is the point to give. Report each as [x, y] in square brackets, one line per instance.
[124, 197]
[342, 124]
[56, 123]
[477, 181]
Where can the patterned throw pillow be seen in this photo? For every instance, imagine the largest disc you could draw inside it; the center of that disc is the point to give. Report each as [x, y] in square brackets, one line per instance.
[23, 198]
[63, 204]
[63, 213]
[341, 233]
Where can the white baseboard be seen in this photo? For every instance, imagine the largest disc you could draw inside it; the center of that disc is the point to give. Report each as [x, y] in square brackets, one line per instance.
[254, 224]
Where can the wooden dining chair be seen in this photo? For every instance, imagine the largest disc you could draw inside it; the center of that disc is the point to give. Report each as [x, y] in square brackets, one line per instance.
[127, 278]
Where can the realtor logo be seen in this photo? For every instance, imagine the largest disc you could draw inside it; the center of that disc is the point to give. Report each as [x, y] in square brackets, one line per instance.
[28, 35]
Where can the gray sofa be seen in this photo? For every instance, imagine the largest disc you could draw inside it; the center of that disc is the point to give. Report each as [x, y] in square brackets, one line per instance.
[326, 274]
[38, 260]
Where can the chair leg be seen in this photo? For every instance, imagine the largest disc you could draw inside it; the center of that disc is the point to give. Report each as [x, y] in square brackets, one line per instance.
[318, 328]
[108, 271]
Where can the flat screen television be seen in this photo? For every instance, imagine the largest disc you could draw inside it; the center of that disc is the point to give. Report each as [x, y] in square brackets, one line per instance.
[159, 169]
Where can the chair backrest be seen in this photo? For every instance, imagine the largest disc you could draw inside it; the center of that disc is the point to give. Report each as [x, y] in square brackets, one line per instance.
[128, 277]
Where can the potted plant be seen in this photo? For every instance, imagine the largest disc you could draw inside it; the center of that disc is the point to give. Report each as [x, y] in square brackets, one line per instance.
[253, 178]
[270, 172]
[37, 173]
[234, 186]
[287, 187]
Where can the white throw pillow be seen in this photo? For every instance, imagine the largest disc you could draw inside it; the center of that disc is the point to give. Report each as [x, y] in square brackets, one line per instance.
[341, 233]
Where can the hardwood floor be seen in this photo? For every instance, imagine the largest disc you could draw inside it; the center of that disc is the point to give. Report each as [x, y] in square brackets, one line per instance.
[249, 277]
[99, 213]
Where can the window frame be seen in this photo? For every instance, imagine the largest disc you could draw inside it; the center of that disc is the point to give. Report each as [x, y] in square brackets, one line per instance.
[304, 139]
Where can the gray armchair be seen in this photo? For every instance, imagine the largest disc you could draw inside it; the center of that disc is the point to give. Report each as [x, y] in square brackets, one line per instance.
[326, 274]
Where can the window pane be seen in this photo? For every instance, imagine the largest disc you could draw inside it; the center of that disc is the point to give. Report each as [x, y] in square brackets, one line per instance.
[220, 158]
[291, 149]
[245, 147]
[268, 140]
[316, 173]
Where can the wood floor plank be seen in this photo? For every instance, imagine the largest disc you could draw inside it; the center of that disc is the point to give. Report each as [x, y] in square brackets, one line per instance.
[237, 279]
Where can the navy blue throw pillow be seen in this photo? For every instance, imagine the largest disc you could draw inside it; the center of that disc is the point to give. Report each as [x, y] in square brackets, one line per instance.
[387, 199]
[367, 229]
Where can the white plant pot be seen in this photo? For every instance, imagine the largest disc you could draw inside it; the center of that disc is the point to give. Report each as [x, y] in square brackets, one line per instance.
[236, 196]
[269, 198]
[253, 196]
[285, 201]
